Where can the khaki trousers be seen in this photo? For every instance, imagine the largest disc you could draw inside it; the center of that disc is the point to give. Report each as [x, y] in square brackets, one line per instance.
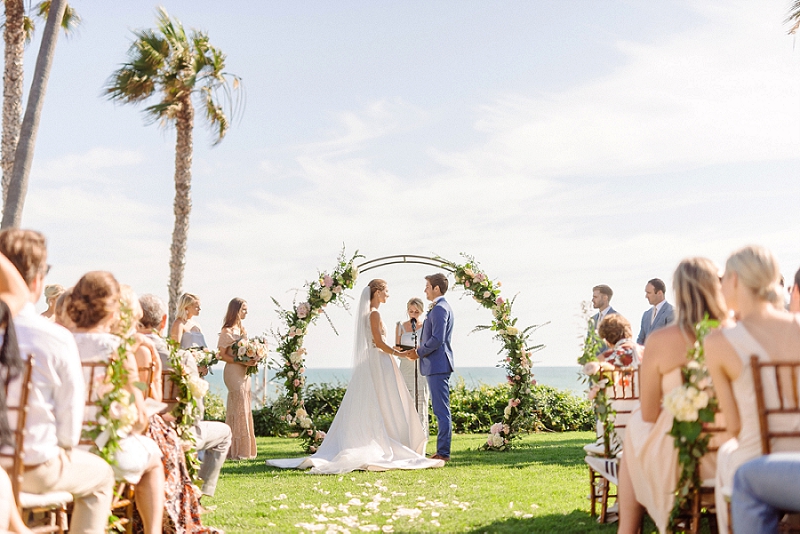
[87, 477]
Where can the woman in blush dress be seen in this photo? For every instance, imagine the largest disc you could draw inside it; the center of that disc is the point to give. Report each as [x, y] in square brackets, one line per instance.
[407, 337]
[764, 329]
[94, 307]
[376, 427]
[185, 330]
[648, 473]
[239, 415]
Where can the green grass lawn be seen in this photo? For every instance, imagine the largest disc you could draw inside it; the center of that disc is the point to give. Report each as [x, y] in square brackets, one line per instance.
[541, 486]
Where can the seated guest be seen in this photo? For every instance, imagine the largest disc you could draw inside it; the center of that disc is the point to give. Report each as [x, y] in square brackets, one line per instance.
[94, 308]
[649, 468]
[764, 329]
[212, 437]
[184, 329]
[147, 358]
[616, 332]
[764, 488]
[55, 404]
[794, 295]
[51, 294]
[60, 315]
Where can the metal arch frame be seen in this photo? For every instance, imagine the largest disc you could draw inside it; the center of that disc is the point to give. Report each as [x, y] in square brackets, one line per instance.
[405, 258]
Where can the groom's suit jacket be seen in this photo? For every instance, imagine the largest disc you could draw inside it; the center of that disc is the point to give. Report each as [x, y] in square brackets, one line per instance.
[664, 317]
[435, 352]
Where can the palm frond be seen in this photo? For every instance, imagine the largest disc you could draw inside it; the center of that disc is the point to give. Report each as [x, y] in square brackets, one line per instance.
[794, 16]
[70, 21]
[28, 27]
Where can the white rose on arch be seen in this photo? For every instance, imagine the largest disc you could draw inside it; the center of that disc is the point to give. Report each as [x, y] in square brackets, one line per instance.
[325, 294]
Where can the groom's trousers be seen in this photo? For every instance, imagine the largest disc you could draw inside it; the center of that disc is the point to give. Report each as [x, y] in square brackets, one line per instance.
[439, 386]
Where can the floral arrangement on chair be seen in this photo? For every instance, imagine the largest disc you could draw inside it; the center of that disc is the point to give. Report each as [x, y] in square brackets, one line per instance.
[190, 390]
[692, 405]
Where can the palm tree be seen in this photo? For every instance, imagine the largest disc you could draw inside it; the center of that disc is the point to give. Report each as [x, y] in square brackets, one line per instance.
[794, 16]
[177, 68]
[23, 155]
[18, 31]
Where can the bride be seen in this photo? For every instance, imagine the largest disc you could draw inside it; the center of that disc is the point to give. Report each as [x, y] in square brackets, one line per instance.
[376, 427]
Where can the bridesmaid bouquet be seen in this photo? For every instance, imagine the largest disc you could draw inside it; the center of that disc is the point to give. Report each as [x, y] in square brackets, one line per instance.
[249, 350]
[205, 357]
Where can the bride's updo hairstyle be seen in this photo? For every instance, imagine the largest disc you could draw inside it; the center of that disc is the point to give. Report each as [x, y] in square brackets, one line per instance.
[94, 297]
[758, 271]
[697, 293]
[375, 286]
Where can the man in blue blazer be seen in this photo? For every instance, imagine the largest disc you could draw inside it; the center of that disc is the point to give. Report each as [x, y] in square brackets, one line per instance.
[661, 314]
[436, 359]
[601, 301]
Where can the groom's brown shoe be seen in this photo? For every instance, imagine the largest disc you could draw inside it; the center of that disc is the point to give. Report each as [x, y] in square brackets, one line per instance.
[439, 457]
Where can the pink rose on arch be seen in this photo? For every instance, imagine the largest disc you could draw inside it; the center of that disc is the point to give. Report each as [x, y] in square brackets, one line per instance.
[312, 449]
[499, 301]
[514, 402]
[296, 382]
[496, 428]
[302, 310]
[593, 392]
[327, 281]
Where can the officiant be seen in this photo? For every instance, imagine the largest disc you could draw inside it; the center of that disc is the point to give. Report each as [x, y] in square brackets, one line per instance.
[406, 338]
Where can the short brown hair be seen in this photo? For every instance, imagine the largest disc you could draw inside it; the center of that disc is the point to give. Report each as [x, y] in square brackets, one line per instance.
[613, 328]
[604, 290]
[438, 280]
[26, 249]
[94, 296]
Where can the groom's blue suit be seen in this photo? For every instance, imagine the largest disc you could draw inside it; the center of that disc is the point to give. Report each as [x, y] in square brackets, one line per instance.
[436, 364]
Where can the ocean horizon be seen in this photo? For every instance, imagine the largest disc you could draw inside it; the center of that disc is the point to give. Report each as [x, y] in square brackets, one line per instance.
[560, 377]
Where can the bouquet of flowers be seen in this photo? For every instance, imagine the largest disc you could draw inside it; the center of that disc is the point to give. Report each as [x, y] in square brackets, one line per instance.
[249, 350]
[204, 357]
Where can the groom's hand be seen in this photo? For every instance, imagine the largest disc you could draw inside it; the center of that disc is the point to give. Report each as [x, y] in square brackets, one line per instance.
[412, 355]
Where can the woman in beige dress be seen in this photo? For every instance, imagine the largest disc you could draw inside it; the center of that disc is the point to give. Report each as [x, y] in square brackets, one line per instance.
[764, 329]
[239, 415]
[648, 471]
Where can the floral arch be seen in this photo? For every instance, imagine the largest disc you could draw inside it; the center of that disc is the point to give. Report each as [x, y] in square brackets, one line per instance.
[329, 288]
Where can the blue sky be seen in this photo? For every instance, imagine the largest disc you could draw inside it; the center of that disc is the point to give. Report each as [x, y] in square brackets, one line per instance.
[563, 144]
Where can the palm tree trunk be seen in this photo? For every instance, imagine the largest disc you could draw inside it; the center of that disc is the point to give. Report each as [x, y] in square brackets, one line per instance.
[23, 158]
[13, 78]
[183, 202]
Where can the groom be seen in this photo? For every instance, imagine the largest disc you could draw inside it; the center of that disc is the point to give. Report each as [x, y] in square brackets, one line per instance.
[437, 359]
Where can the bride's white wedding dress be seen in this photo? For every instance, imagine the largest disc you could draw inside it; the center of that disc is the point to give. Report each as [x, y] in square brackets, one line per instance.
[376, 427]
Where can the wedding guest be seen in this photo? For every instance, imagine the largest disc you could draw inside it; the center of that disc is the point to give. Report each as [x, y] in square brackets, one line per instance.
[616, 331]
[239, 416]
[184, 330]
[181, 502]
[94, 307]
[794, 299]
[751, 288]
[763, 490]
[660, 315]
[601, 301]
[51, 294]
[55, 404]
[407, 336]
[13, 291]
[61, 316]
[648, 472]
[211, 437]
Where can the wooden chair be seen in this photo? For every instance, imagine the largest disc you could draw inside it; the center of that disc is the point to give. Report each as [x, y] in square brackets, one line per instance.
[122, 505]
[624, 399]
[52, 507]
[778, 405]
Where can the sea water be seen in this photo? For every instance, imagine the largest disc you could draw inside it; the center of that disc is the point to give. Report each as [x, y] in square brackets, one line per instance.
[566, 378]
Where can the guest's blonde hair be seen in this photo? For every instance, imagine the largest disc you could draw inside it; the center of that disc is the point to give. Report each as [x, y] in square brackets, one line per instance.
[758, 271]
[186, 300]
[53, 291]
[697, 293]
[127, 301]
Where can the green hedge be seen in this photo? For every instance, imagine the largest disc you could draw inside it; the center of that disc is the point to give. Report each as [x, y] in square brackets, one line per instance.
[473, 409]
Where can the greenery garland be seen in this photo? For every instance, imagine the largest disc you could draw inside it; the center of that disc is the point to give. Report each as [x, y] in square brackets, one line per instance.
[328, 289]
[599, 377]
[692, 406]
[116, 408]
[517, 362]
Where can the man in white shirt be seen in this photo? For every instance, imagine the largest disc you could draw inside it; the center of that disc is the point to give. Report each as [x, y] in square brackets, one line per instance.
[56, 401]
[213, 438]
[660, 315]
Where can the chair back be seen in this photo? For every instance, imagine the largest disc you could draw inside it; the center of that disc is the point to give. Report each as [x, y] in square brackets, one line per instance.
[146, 375]
[778, 403]
[624, 396]
[93, 375]
[170, 391]
[17, 416]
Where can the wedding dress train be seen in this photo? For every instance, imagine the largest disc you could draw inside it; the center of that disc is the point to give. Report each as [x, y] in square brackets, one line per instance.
[376, 427]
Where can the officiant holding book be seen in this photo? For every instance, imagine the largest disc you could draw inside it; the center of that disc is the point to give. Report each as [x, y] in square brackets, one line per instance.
[407, 338]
